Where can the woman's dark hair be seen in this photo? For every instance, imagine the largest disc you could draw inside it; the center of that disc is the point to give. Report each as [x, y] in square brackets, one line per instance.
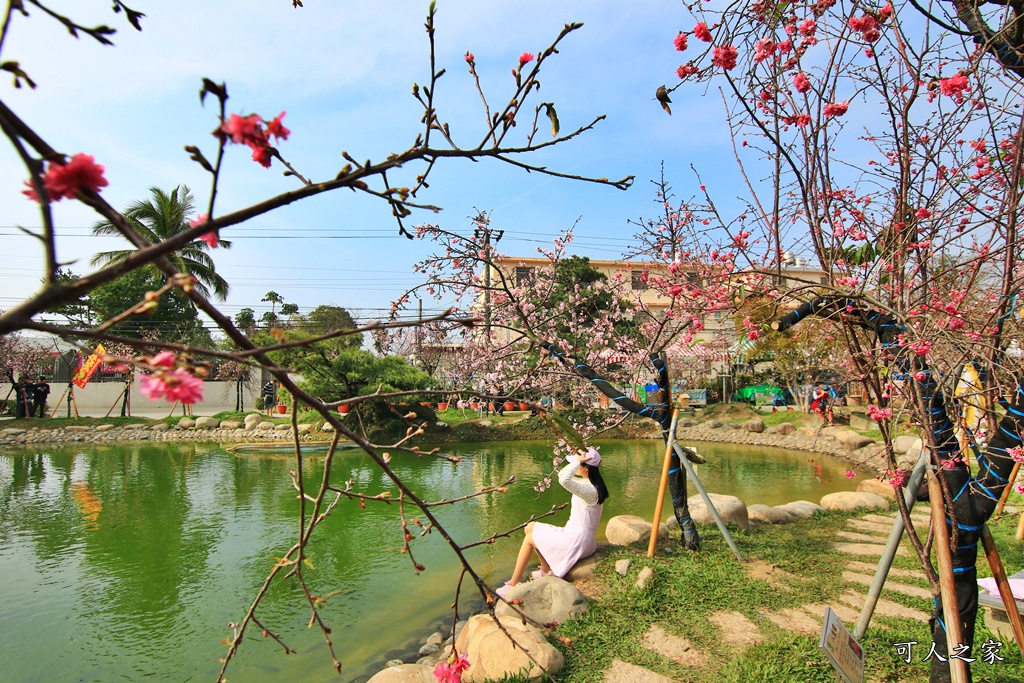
[594, 473]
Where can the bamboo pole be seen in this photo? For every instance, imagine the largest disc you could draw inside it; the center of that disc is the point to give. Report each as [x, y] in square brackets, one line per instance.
[1005, 593]
[951, 614]
[1006, 491]
[1020, 527]
[656, 521]
[57, 405]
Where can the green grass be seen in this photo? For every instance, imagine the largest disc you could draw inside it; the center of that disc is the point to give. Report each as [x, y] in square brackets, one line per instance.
[688, 587]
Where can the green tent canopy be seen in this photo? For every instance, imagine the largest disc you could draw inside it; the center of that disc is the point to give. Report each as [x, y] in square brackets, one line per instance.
[748, 393]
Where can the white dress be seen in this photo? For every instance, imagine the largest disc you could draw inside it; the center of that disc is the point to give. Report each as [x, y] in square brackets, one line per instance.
[563, 547]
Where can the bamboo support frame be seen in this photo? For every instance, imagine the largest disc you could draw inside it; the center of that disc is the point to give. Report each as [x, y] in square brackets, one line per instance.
[656, 519]
[951, 614]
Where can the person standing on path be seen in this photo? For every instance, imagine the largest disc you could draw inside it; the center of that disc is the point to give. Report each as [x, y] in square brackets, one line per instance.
[40, 392]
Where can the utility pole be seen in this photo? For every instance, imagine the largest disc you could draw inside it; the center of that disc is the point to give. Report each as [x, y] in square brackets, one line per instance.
[483, 232]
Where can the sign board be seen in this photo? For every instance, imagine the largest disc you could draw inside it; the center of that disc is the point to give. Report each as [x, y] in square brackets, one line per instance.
[845, 653]
[90, 366]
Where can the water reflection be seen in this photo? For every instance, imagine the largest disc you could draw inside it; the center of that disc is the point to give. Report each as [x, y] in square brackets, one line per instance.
[136, 557]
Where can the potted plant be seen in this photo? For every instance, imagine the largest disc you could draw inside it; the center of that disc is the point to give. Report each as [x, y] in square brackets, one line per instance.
[442, 405]
[344, 408]
[523, 405]
[510, 405]
[281, 408]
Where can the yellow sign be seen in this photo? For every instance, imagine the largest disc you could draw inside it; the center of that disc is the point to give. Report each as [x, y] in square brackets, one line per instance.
[91, 364]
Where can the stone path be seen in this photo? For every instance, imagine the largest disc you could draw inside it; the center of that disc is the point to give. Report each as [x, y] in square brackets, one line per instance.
[862, 541]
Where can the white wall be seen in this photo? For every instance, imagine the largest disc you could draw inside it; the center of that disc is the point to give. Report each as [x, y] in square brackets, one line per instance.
[99, 397]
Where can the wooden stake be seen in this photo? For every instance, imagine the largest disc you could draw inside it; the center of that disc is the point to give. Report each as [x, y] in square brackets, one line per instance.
[656, 522]
[1005, 593]
[1020, 527]
[950, 612]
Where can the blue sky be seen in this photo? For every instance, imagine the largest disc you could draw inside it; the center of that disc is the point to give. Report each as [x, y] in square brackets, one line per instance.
[343, 71]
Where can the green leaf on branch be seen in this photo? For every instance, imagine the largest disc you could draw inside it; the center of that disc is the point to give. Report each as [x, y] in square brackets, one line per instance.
[549, 108]
[560, 424]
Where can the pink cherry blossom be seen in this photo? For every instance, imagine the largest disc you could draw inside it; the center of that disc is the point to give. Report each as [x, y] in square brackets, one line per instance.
[807, 27]
[878, 414]
[724, 57]
[469, 57]
[680, 41]
[262, 156]
[764, 49]
[686, 70]
[277, 129]
[849, 474]
[801, 82]
[837, 109]
[923, 213]
[701, 32]
[954, 87]
[211, 238]
[175, 385]
[245, 130]
[164, 359]
[1017, 453]
[525, 58]
[1019, 487]
[897, 477]
[64, 181]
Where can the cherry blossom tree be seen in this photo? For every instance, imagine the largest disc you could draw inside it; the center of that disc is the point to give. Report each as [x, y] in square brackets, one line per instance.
[511, 131]
[875, 140]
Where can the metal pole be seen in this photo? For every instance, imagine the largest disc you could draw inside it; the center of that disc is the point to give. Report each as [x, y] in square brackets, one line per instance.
[893, 544]
[707, 499]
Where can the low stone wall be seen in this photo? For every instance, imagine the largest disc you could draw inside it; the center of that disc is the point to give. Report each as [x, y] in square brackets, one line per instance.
[200, 429]
[835, 441]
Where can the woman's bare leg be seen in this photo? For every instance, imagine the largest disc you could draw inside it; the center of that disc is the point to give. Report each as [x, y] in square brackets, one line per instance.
[526, 551]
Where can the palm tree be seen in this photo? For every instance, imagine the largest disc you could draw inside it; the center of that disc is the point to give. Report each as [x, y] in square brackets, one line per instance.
[163, 216]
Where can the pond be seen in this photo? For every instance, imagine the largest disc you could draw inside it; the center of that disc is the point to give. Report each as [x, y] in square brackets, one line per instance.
[128, 562]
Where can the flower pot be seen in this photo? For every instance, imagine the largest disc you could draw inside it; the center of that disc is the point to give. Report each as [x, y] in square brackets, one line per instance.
[281, 410]
[510, 405]
[442, 406]
[425, 404]
[344, 408]
[474, 404]
[523, 405]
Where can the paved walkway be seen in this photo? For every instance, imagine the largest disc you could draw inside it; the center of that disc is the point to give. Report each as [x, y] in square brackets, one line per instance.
[863, 541]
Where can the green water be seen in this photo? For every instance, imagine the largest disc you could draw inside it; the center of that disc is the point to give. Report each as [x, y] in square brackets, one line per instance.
[127, 563]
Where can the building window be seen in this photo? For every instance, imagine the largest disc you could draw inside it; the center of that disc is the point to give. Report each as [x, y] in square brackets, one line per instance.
[639, 282]
[523, 275]
[824, 280]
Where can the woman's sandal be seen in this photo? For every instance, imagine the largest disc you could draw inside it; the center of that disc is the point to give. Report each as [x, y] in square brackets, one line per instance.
[540, 573]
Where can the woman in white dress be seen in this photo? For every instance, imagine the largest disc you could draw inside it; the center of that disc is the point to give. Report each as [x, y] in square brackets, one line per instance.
[560, 548]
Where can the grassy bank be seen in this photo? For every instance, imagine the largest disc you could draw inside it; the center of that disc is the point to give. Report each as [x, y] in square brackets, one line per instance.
[788, 566]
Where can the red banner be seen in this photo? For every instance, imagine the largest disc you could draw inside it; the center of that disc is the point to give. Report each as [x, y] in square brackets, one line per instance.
[90, 366]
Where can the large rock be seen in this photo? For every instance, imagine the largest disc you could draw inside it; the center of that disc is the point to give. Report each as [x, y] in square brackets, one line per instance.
[265, 426]
[493, 656]
[754, 425]
[765, 514]
[405, 673]
[160, 427]
[879, 488]
[584, 569]
[627, 529]
[801, 509]
[902, 444]
[785, 428]
[230, 424]
[186, 423]
[252, 419]
[546, 600]
[730, 508]
[207, 423]
[851, 440]
[854, 500]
